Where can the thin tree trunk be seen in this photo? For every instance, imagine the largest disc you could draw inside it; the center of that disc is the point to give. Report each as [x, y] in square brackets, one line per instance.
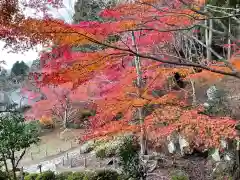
[65, 119]
[206, 37]
[229, 40]
[210, 37]
[194, 99]
[14, 168]
[140, 113]
[6, 166]
[238, 25]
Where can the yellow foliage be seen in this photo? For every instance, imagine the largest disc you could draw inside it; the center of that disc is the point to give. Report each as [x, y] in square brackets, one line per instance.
[139, 102]
[46, 120]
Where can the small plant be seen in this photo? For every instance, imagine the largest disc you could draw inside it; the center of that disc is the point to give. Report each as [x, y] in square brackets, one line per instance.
[63, 175]
[128, 153]
[217, 104]
[76, 176]
[48, 175]
[107, 149]
[106, 175]
[32, 176]
[180, 177]
[3, 175]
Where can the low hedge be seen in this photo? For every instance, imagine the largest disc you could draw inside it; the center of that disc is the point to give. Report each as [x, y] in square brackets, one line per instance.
[48, 175]
[63, 175]
[31, 176]
[95, 175]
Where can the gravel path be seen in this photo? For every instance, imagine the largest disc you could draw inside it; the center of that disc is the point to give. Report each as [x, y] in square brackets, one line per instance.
[73, 160]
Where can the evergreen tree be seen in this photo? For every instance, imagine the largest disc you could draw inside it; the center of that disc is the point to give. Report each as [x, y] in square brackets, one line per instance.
[19, 69]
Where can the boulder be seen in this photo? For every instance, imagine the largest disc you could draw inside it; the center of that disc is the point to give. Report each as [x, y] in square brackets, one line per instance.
[87, 147]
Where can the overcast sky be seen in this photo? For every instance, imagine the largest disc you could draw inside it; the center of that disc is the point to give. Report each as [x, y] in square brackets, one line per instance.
[10, 58]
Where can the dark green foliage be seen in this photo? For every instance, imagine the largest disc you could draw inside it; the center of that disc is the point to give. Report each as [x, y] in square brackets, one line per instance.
[87, 10]
[48, 175]
[76, 176]
[95, 175]
[106, 175]
[229, 3]
[218, 106]
[32, 176]
[15, 135]
[19, 69]
[63, 176]
[181, 177]
[101, 153]
[118, 116]
[3, 175]
[129, 158]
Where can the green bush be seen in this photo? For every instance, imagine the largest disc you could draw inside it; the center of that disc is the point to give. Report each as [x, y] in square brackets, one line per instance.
[107, 149]
[102, 175]
[63, 175]
[106, 175]
[76, 176]
[180, 177]
[31, 176]
[3, 175]
[95, 175]
[74, 126]
[90, 176]
[48, 175]
[128, 154]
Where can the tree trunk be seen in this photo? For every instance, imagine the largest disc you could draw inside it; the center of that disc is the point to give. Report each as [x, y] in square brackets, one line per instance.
[65, 119]
[6, 166]
[14, 169]
[229, 40]
[194, 98]
[206, 37]
[140, 113]
[210, 38]
[238, 25]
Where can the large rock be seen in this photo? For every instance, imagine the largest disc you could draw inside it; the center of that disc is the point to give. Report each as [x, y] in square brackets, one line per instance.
[87, 147]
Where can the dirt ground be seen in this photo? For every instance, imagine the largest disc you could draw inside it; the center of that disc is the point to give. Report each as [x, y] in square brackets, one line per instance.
[50, 146]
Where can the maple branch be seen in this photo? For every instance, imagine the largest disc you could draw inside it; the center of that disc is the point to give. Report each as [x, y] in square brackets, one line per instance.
[131, 52]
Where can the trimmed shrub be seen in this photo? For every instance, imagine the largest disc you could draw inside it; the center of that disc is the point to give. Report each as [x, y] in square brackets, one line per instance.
[48, 175]
[94, 175]
[102, 175]
[32, 176]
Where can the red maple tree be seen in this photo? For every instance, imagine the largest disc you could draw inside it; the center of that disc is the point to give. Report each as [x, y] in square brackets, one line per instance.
[128, 70]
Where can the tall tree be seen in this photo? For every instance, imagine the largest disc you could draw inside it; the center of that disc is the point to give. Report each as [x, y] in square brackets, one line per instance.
[16, 137]
[154, 24]
[19, 69]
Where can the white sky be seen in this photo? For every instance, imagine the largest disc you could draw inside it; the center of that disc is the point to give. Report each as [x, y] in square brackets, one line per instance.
[11, 58]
